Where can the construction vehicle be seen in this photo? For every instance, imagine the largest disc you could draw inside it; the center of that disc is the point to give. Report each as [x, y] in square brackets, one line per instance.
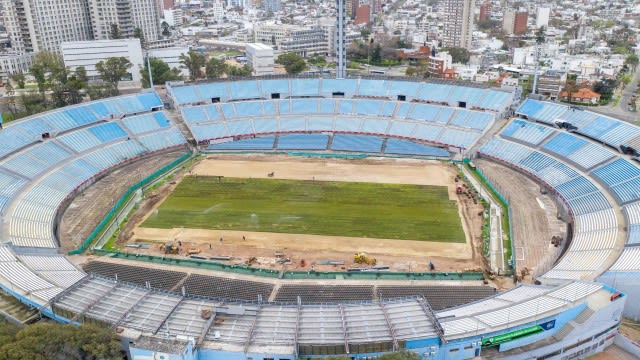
[363, 258]
[193, 251]
[171, 248]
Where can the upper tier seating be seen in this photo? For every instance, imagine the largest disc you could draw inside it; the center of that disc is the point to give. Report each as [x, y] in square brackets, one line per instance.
[600, 127]
[451, 95]
[22, 133]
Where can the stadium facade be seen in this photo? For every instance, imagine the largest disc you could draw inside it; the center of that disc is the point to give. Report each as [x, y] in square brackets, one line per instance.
[588, 161]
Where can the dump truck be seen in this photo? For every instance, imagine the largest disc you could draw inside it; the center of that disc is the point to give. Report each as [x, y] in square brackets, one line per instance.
[363, 258]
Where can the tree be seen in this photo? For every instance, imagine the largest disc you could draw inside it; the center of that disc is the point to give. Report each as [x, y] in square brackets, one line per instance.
[215, 68]
[139, 34]
[55, 341]
[115, 32]
[46, 67]
[160, 72]
[365, 33]
[19, 78]
[540, 35]
[112, 70]
[245, 70]
[318, 61]
[193, 61]
[293, 63]
[165, 29]
[459, 55]
[632, 60]
[606, 88]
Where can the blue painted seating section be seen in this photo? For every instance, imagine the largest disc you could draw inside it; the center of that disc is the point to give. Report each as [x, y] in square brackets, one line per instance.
[589, 203]
[108, 132]
[149, 100]
[368, 107]
[249, 108]
[564, 144]
[147, 122]
[207, 92]
[616, 172]
[10, 185]
[583, 198]
[303, 142]
[404, 147]
[81, 115]
[473, 120]
[195, 115]
[162, 140]
[439, 93]
[542, 111]
[627, 191]
[357, 143]
[210, 131]
[528, 132]
[185, 94]
[12, 139]
[36, 159]
[259, 143]
[598, 126]
[459, 138]
[428, 113]
[576, 187]
[244, 90]
[305, 87]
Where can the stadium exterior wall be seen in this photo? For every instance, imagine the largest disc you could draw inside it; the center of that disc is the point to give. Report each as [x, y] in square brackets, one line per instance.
[629, 283]
[591, 336]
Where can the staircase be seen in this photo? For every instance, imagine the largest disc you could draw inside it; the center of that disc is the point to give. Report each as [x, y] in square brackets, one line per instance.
[564, 331]
[175, 117]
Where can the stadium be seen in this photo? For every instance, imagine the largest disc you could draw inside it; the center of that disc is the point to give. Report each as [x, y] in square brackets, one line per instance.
[177, 307]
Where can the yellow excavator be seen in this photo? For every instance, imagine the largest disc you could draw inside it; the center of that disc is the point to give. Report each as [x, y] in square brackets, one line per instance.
[363, 258]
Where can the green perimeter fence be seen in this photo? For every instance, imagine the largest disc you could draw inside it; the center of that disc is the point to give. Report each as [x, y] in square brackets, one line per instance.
[506, 210]
[123, 200]
[246, 270]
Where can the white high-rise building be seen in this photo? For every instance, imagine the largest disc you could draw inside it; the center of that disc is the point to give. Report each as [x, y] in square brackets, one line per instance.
[260, 58]
[128, 15]
[542, 17]
[458, 23]
[88, 53]
[37, 25]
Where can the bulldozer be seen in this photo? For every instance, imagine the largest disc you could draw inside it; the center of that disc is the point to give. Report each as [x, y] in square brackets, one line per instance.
[363, 258]
[170, 248]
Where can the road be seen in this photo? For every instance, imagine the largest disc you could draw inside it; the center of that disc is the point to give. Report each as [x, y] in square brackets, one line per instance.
[621, 111]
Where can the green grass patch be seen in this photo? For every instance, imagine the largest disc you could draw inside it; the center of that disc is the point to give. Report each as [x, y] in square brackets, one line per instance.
[390, 211]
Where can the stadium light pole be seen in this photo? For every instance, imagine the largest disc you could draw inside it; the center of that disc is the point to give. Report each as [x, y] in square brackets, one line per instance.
[149, 68]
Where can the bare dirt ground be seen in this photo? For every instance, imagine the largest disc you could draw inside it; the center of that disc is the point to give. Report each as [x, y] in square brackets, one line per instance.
[91, 206]
[399, 255]
[535, 215]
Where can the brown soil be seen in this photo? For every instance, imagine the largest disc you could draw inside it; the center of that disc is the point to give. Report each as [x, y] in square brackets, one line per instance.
[91, 206]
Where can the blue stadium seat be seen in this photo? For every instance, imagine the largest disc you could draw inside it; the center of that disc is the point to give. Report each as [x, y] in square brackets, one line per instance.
[357, 143]
[303, 142]
[403, 147]
[259, 143]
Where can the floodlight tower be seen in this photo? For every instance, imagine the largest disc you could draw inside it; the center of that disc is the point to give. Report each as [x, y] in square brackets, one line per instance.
[341, 49]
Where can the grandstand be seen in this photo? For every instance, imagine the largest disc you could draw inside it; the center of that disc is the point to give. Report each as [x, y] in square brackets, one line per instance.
[46, 159]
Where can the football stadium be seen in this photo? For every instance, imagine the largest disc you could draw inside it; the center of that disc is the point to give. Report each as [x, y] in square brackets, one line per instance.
[306, 218]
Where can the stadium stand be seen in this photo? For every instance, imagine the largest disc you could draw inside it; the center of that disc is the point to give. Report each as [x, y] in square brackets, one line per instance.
[403, 147]
[587, 252]
[440, 297]
[303, 142]
[218, 287]
[324, 293]
[157, 279]
[260, 329]
[357, 143]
